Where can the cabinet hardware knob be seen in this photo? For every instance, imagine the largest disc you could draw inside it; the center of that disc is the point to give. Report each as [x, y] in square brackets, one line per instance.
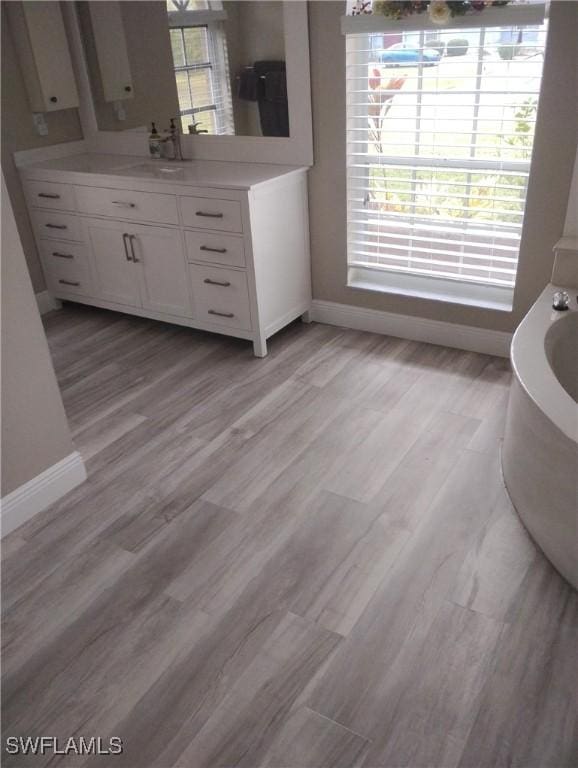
[56, 226]
[212, 250]
[126, 253]
[124, 204]
[209, 215]
[53, 99]
[63, 255]
[224, 283]
[69, 282]
[127, 88]
[49, 196]
[220, 314]
[131, 239]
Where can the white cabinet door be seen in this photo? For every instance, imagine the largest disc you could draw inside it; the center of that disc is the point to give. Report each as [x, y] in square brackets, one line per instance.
[42, 48]
[111, 49]
[116, 276]
[158, 252]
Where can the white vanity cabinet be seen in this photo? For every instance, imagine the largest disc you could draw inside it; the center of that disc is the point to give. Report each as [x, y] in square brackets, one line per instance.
[224, 248]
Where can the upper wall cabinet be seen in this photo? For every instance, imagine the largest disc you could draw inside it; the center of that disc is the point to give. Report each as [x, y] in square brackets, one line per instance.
[42, 47]
[111, 50]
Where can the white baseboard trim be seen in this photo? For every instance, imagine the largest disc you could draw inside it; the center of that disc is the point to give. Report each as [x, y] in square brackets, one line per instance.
[40, 492]
[416, 328]
[46, 302]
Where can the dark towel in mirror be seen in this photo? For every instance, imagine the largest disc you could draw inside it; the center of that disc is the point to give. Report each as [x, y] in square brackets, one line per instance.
[275, 86]
[273, 107]
[248, 84]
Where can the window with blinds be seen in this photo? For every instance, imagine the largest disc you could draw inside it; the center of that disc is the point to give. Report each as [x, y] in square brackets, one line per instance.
[199, 47]
[440, 128]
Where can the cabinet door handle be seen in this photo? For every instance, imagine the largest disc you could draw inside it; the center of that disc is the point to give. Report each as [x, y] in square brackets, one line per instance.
[124, 204]
[223, 283]
[124, 237]
[56, 226]
[209, 215]
[63, 255]
[49, 196]
[131, 239]
[221, 314]
[212, 250]
[69, 282]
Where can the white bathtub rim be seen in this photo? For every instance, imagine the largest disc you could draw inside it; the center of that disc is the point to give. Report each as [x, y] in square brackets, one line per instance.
[532, 367]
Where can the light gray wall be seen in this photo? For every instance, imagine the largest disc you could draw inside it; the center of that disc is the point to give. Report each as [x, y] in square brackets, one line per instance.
[18, 134]
[571, 223]
[554, 153]
[35, 432]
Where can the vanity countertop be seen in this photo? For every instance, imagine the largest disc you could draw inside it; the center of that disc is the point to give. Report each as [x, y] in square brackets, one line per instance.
[197, 173]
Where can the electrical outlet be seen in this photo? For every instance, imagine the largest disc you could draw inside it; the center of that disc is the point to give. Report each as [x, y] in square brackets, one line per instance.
[119, 110]
[40, 123]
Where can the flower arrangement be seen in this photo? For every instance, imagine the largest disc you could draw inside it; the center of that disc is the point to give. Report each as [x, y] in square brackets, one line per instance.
[439, 11]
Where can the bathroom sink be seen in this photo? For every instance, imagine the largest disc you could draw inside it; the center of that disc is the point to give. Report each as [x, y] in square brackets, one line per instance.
[157, 169]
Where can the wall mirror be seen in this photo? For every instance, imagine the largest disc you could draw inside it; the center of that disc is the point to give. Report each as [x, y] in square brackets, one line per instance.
[234, 75]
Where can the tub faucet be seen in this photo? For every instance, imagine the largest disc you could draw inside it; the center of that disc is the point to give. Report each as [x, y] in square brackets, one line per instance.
[561, 301]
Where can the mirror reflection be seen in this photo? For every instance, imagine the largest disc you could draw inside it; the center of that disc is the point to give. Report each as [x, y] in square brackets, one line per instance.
[218, 67]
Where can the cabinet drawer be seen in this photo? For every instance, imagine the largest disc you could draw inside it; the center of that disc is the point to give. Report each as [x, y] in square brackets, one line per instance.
[68, 278]
[56, 226]
[215, 249]
[206, 213]
[57, 253]
[47, 194]
[149, 207]
[220, 296]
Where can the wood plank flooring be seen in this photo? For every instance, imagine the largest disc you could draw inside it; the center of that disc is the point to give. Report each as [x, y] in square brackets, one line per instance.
[304, 561]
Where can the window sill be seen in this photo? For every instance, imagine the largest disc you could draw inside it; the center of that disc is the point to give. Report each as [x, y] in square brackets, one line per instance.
[496, 298]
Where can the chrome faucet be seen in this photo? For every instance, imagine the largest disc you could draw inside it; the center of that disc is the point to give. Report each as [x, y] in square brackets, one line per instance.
[174, 138]
[561, 301]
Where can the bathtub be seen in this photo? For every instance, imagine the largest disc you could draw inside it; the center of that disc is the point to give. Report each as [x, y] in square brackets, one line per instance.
[540, 453]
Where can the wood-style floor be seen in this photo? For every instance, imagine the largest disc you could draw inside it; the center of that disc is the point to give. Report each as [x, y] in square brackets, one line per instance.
[304, 561]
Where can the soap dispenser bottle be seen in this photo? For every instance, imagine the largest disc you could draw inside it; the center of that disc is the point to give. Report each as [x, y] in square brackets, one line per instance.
[155, 143]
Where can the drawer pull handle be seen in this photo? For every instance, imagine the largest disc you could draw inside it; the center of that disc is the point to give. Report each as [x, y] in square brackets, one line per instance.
[126, 253]
[63, 255]
[209, 215]
[131, 239]
[221, 314]
[49, 196]
[212, 250]
[223, 283]
[69, 282]
[56, 226]
[124, 204]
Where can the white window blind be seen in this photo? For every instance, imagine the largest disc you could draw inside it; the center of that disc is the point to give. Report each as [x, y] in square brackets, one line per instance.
[440, 128]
